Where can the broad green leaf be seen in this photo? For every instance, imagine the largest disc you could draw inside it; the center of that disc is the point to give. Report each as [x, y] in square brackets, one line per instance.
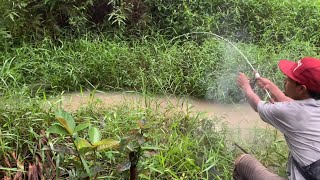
[81, 127]
[58, 129]
[84, 150]
[83, 143]
[106, 144]
[94, 135]
[66, 120]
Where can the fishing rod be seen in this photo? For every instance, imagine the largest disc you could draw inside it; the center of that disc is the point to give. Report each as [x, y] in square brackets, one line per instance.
[256, 74]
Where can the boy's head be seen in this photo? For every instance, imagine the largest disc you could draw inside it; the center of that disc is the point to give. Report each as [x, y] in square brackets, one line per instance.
[303, 77]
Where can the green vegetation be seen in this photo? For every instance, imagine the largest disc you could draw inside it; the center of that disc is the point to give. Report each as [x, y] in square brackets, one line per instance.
[175, 145]
[49, 47]
[269, 22]
[179, 68]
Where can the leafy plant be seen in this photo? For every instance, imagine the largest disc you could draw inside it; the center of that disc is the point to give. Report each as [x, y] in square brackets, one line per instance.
[132, 144]
[67, 126]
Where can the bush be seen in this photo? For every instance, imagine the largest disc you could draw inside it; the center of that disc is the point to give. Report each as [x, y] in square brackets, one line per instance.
[204, 69]
[260, 22]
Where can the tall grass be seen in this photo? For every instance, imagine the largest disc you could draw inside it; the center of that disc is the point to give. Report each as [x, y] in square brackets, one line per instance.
[186, 145]
[203, 69]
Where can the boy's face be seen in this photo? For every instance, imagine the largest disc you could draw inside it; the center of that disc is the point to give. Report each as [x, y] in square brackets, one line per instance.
[293, 89]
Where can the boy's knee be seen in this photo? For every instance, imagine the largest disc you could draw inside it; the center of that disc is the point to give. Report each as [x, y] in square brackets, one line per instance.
[240, 159]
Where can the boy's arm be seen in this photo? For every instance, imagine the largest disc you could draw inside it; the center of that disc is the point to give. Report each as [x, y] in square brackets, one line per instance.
[276, 93]
[252, 98]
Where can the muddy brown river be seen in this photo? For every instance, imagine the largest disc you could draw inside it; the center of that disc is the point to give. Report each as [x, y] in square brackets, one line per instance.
[240, 116]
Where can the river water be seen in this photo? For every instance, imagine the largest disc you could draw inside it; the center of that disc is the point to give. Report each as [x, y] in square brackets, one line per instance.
[235, 116]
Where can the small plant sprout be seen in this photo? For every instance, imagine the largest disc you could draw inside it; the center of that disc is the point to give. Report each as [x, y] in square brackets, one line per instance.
[132, 144]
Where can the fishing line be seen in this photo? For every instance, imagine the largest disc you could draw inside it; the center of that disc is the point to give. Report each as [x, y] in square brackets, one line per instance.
[256, 75]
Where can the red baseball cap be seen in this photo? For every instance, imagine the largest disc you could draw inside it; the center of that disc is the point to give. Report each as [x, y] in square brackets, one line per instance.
[306, 72]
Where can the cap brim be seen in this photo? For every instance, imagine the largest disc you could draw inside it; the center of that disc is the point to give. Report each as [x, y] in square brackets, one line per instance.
[286, 67]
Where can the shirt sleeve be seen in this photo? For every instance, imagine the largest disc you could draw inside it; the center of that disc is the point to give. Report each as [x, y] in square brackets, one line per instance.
[281, 115]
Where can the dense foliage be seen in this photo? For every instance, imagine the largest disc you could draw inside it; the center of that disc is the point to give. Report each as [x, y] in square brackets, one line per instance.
[128, 44]
[160, 66]
[261, 22]
[177, 144]
[158, 46]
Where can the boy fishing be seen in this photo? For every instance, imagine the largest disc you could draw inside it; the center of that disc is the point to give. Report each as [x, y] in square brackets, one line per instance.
[294, 112]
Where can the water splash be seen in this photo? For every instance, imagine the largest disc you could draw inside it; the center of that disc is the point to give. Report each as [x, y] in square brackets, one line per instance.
[225, 87]
[220, 37]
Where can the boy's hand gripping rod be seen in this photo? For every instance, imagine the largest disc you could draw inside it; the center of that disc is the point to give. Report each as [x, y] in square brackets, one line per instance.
[257, 75]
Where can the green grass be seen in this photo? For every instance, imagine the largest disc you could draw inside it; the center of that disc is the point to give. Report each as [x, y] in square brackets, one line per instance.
[270, 22]
[187, 145]
[205, 69]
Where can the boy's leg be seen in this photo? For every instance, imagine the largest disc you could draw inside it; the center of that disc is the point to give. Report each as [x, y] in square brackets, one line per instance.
[249, 168]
